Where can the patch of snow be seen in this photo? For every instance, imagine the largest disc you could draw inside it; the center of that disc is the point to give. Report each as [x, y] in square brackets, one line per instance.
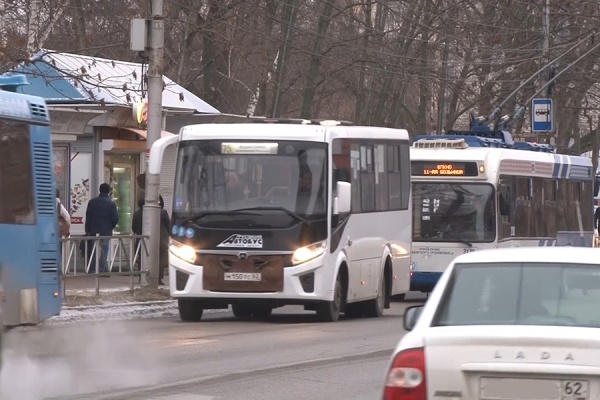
[126, 304]
[114, 312]
[120, 312]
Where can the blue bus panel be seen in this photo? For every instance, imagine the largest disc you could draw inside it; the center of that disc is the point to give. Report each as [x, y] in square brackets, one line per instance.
[29, 240]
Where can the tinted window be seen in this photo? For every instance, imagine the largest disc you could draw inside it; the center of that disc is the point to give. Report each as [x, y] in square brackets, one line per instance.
[379, 171]
[521, 294]
[213, 176]
[16, 178]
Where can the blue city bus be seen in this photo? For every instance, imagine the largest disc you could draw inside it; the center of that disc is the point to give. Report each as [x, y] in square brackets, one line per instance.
[29, 241]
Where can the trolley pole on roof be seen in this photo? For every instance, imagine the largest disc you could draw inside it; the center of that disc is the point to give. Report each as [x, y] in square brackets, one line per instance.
[151, 220]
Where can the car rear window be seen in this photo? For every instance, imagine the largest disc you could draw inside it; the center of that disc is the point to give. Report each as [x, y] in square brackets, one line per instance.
[521, 294]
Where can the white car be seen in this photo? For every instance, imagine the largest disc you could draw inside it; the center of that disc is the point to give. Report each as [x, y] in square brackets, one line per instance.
[505, 324]
[1, 323]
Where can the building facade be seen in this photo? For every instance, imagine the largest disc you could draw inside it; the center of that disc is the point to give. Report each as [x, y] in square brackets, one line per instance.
[97, 113]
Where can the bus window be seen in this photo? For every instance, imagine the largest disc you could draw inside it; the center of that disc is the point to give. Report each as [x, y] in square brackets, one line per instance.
[453, 212]
[16, 177]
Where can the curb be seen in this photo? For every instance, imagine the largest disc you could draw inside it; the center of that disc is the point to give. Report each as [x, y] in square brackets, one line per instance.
[119, 305]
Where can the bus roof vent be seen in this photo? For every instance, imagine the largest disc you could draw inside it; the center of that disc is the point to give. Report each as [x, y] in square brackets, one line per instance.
[440, 144]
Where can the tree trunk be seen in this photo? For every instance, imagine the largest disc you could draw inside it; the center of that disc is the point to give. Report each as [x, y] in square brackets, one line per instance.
[424, 92]
[290, 11]
[315, 60]
[267, 57]
[33, 29]
[360, 113]
[79, 24]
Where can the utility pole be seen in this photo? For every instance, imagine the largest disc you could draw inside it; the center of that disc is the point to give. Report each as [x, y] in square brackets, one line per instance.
[546, 43]
[151, 221]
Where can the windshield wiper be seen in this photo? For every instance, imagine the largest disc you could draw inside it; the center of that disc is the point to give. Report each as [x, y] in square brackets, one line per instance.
[195, 218]
[267, 208]
[456, 237]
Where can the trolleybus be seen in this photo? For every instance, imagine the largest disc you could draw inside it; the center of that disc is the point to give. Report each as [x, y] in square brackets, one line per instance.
[475, 190]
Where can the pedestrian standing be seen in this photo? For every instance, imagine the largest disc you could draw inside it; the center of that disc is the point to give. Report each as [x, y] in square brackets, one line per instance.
[101, 218]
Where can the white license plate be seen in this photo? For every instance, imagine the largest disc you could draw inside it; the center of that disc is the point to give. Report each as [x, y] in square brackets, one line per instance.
[243, 276]
[575, 390]
[533, 389]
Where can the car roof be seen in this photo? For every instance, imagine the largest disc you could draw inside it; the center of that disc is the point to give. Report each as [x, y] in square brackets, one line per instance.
[549, 254]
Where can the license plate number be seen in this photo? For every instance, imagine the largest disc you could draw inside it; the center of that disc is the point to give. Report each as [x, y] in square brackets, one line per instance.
[533, 389]
[243, 276]
[575, 390]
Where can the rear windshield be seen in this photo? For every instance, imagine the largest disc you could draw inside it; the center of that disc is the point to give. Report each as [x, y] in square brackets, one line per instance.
[521, 294]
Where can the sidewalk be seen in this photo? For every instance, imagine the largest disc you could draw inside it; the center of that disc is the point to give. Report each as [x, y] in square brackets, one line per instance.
[80, 290]
[115, 302]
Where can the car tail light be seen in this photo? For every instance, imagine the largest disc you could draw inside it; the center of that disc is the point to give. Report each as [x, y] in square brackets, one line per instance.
[406, 377]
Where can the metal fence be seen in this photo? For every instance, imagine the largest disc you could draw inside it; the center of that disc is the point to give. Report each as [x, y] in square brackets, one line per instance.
[80, 256]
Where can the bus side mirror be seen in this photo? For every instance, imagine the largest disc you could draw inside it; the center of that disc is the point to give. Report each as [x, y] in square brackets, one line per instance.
[596, 185]
[504, 200]
[411, 317]
[343, 201]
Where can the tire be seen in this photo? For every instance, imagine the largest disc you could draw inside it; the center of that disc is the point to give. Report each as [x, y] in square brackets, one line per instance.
[190, 310]
[399, 297]
[374, 308]
[241, 311]
[330, 311]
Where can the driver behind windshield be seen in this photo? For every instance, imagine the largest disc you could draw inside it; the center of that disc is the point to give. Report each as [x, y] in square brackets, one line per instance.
[236, 188]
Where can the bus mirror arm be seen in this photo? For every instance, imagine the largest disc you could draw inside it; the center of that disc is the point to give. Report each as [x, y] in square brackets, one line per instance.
[342, 203]
[157, 151]
[504, 200]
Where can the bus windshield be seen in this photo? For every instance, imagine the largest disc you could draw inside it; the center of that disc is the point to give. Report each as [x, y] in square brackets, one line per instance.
[216, 178]
[453, 212]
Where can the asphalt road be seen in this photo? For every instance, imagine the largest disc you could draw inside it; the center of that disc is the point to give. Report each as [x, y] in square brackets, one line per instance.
[289, 356]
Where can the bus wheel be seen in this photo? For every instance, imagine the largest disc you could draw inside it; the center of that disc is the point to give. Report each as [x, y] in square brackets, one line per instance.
[330, 311]
[374, 308]
[241, 311]
[190, 310]
[399, 297]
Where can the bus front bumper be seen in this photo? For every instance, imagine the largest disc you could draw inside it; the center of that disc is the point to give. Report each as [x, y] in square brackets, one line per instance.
[423, 281]
[302, 284]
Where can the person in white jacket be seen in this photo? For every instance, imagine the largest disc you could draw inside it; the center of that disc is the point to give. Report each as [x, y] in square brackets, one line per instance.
[62, 210]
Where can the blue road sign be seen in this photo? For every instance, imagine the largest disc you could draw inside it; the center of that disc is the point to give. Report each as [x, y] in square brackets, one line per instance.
[542, 115]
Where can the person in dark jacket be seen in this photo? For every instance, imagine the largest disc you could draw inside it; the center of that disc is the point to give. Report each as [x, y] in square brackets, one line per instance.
[165, 222]
[101, 218]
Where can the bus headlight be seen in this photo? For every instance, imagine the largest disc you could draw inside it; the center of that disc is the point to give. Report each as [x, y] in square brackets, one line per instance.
[306, 253]
[186, 253]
